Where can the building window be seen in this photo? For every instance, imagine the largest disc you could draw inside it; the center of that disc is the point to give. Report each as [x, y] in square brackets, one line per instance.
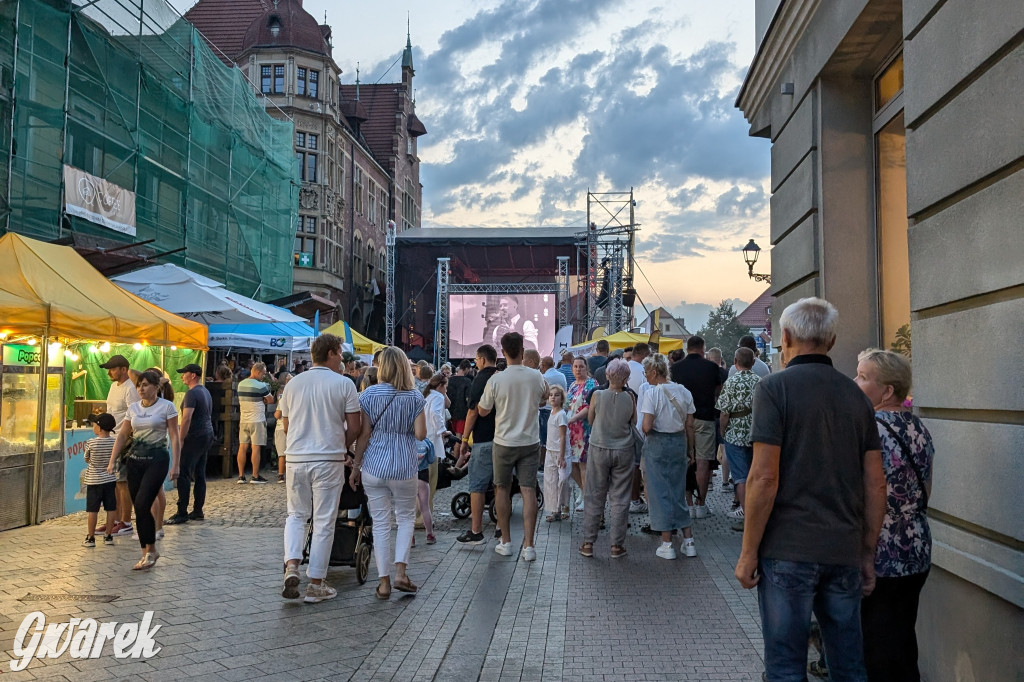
[307, 159]
[300, 139]
[371, 204]
[370, 260]
[272, 79]
[893, 259]
[668, 328]
[309, 224]
[357, 259]
[357, 197]
[408, 207]
[382, 217]
[314, 83]
[305, 252]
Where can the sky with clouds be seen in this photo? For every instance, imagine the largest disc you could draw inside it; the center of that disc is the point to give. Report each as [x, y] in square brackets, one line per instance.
[530, 103]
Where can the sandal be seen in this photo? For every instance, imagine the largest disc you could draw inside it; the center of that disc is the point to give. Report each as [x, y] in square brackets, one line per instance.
[553, 517]
[587, 549]
[618, 551]
[383, 596]
[147, 562]
[404, 586]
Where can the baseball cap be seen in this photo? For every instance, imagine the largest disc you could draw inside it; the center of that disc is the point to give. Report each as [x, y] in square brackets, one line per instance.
[347, 357]
[115, 361]
[104, 421]
[191, 367]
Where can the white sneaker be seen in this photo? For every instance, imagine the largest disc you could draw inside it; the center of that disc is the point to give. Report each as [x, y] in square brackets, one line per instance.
[503, 548]
[692, 510]
[529, 554]
[160, 534]
[579, 507]
[701, 511]
[318, 593]
[637, 507]
[736, 513]
[666, 551]
[291, 582]
[689, 547]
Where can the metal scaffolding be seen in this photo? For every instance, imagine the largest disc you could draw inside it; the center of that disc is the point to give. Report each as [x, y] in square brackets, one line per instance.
[607, 293]
[441, 310]
[563, 291]
[389, 284]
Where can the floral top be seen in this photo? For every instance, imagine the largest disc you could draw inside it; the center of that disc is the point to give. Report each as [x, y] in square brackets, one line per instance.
[738, 395]
[905, 544]
[579, 431]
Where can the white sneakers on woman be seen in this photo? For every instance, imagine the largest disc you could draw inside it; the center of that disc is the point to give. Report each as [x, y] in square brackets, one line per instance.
[666, 551]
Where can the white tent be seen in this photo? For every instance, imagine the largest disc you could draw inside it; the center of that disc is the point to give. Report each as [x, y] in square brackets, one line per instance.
[191, 295]
[276, 337]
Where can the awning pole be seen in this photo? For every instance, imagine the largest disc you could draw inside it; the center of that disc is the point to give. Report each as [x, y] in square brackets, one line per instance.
[37, 464]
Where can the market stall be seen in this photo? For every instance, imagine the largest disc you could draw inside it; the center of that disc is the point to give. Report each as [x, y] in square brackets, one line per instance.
[361, 345]
[627, 340]
[54, 308]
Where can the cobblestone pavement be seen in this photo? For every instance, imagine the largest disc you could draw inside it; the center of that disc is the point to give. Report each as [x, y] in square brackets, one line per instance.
[478, 615]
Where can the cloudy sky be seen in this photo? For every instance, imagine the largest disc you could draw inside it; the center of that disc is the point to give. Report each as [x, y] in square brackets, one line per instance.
[530, 103]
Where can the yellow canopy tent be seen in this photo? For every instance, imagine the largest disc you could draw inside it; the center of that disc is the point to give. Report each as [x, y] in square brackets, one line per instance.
[360, 344]
[51, 290]
[628, 339]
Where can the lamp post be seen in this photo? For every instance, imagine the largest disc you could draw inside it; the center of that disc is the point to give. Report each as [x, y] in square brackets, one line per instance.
[750, 253]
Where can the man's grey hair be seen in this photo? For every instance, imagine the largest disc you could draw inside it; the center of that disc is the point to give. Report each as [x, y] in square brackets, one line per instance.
[258, 367]
[811, 320]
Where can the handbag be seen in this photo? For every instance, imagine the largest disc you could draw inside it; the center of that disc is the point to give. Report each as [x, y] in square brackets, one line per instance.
[909, 457]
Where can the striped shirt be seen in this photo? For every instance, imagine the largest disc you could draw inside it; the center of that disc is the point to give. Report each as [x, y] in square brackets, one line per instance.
[251, 408]
[391, 452]
[97, 454]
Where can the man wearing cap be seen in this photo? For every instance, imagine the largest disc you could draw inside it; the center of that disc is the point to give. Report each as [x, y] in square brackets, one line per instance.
[122, 393]
[253, 398]
[196, 432]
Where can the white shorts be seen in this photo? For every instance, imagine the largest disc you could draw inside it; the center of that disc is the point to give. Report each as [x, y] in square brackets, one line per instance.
[252, 432]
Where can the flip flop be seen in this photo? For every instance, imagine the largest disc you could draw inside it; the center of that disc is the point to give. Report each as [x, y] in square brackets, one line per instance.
[407, 586]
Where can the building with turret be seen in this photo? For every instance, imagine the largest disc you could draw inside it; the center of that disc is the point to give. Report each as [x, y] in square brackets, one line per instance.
[355, 145]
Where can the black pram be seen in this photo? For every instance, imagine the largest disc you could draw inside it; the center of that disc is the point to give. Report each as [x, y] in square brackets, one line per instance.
[353, 537]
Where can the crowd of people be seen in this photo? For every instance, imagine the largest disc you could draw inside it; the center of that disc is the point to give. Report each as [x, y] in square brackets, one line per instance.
[829, 474]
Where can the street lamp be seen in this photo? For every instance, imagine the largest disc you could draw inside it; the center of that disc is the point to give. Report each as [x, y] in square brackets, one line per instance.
[750, 253]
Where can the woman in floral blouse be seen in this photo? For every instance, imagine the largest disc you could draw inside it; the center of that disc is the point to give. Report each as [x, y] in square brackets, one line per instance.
[903, 557]
[577, 408]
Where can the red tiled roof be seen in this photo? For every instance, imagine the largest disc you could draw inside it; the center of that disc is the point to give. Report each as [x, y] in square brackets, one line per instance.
[223, 22]
[380, 102]
[755, 315]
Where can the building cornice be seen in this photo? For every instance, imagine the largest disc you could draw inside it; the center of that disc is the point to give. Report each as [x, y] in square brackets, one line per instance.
[787, 27]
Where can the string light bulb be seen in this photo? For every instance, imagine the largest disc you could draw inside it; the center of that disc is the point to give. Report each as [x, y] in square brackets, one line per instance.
[137, 346]
[104, 347]
[32, 342]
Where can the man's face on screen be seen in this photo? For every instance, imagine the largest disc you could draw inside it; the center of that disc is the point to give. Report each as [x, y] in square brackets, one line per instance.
[509, 308]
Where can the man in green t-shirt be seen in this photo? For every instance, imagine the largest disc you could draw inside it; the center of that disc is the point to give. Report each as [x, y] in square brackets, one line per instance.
[253, 397]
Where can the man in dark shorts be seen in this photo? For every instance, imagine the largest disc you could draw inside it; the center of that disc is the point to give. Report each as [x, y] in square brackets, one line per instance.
[514, 396]
[196, 429]
[481, 428]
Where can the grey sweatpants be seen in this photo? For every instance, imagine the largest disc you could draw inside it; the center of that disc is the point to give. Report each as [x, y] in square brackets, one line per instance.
[609, 477]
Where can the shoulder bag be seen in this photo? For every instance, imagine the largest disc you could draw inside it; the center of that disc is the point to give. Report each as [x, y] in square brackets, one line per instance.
[909, 457]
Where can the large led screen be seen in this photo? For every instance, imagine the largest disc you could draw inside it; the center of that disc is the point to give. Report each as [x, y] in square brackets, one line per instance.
[476, 319]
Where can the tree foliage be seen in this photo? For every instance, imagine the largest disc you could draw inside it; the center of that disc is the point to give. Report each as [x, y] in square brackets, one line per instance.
[722, 330]
[902, 343]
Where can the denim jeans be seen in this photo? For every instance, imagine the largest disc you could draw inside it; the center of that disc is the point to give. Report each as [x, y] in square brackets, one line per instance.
[787, 594]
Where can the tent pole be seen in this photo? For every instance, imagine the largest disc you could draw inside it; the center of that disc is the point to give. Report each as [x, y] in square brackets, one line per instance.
[37, 464]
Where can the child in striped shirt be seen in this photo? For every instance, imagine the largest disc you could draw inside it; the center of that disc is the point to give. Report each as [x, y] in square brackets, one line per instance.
[100, 486]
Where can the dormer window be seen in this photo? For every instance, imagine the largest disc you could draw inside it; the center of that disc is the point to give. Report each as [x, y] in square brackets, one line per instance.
[274, 25]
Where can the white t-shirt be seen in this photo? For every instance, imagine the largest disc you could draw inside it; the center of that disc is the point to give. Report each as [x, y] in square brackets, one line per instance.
[434, 412]
[760, 368]
[315, 403]
[515, 395]
[119, 397]
[555, 443]
[149, 424]
[666, 416]
[636, 376]
[555, 378]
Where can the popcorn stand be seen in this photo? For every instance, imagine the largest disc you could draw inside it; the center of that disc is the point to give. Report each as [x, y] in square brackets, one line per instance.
[54, 307]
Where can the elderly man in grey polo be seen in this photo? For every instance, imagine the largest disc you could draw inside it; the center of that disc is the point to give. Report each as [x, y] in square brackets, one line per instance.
[815, 501]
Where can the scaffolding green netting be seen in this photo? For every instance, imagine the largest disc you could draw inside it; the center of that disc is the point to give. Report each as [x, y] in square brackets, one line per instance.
[128, 91]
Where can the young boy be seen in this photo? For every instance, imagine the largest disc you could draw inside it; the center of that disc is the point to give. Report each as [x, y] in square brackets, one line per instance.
[100, 486]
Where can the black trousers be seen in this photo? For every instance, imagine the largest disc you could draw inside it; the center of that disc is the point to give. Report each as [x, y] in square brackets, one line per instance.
[888, 619]
[193, 471]
[145, 476]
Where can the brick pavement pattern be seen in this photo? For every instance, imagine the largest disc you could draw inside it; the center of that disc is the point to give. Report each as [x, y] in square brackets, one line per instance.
[478, 616]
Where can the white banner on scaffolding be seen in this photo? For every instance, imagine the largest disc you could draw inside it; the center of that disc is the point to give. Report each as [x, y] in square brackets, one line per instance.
[102, 202]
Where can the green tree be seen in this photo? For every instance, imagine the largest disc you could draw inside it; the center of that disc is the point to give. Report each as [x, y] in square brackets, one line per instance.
[722, 330]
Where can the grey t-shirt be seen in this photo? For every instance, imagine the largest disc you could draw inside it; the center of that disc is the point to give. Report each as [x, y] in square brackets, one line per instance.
[824, 424]
[613, 420]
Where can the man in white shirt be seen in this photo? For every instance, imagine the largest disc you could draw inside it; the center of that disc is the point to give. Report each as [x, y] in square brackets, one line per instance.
[514, 396]
[320, 415]
[761, 369]
[636, 367]
[552, 375]
[122, 393]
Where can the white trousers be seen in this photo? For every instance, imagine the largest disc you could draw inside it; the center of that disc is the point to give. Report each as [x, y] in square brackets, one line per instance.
[314, 490]
[383, 496]
[555, 494]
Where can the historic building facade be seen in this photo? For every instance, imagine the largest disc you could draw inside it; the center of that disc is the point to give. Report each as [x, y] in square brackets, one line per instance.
[355, 146]
[897, 171]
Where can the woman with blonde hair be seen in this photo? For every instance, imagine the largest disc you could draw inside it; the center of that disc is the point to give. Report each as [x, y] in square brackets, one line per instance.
[556, 490]
[903, 554]
[386, 464]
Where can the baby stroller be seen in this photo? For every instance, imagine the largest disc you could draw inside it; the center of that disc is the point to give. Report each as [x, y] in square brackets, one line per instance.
[461, 505]
[353, 537]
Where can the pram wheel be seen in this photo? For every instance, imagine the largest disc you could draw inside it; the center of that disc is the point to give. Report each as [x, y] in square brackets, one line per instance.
[362, 562]
[540, 497]
[460, 505]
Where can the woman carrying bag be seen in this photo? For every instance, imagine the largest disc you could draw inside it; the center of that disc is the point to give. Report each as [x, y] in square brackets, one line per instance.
[387, 465]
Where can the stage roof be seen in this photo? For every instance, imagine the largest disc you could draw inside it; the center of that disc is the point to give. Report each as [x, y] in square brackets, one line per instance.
[489, 253]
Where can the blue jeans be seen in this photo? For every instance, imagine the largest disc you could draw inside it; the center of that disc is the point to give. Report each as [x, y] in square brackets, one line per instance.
[787, 594]
[739, 458]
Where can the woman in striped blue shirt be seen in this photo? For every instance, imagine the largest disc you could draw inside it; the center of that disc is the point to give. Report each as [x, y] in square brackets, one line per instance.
[386, 463]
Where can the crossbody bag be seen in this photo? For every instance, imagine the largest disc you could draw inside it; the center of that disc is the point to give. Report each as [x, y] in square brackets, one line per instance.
[909, 457]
